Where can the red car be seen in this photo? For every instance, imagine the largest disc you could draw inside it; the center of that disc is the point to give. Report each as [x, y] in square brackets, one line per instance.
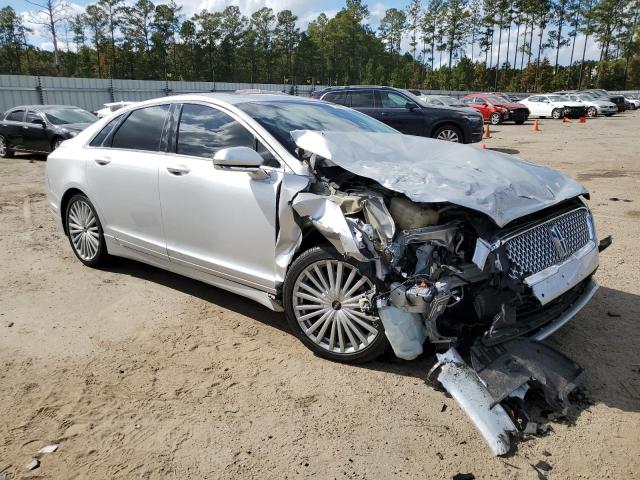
[496, 109]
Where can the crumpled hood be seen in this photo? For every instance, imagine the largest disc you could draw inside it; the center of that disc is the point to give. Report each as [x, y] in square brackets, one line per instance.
[427, 170]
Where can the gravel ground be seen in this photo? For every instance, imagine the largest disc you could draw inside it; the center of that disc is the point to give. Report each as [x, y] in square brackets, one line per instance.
[139, 373]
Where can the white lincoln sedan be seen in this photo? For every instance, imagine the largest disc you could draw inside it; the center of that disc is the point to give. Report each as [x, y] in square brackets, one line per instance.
[367, 238]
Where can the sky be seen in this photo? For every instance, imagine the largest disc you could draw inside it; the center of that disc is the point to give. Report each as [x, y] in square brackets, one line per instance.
[307, 11]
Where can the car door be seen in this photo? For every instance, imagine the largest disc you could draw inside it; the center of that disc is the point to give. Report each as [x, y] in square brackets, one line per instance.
[219, 221]
[13, 124]
[364, 101]
[395, 113]
[122, 172]
[35, 133]
[480, 105]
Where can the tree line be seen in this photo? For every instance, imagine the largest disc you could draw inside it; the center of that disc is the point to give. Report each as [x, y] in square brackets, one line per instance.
[434, 44]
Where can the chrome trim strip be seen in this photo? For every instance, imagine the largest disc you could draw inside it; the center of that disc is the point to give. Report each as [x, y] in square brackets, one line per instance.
[571, 312]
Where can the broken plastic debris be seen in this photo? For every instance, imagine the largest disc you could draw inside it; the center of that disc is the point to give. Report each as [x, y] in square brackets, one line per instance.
[467, 389]
[48, 448]
[33, 464]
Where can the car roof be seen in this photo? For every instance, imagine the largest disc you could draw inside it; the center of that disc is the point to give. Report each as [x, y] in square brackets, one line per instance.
[41, 107]
[231, 98]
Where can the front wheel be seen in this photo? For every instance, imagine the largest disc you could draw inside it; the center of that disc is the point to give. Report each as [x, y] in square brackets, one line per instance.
[495, 118]
[324, 299]
[556, 113]
[85, 231]
[4, 148]
[448, 133]
[592, 112]
[56, 143]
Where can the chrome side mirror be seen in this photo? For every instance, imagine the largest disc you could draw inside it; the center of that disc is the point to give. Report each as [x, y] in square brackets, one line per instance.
[240, 159]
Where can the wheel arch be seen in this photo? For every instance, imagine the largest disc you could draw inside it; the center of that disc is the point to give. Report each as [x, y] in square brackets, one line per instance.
[64, 202]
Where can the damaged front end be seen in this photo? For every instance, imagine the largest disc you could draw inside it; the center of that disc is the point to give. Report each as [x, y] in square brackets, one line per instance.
[462, 275]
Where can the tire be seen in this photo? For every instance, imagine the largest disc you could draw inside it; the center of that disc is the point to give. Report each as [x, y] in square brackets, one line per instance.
[84, 231]
[449, 133]
[556, 113]
[55, 143]
[608, 115]
[592, 112]
[363, 339]
[5, 152]
[495, 118]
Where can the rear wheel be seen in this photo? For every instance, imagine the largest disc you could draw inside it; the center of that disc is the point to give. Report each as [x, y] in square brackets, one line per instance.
[495, 118]
[449, 133]
[85, 231]
[4, 148]
[592, 112]
[556, 113]
[322, 299]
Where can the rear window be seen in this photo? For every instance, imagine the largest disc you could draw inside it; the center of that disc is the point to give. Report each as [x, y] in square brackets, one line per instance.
[99, 140]
[15, 116]
[336, 97]
[362, 99]
[142, 130]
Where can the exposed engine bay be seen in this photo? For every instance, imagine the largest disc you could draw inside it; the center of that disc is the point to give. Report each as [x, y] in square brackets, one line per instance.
[460, 278]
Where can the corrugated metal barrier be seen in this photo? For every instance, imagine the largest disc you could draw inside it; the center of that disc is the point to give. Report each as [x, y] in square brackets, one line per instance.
[92, 93]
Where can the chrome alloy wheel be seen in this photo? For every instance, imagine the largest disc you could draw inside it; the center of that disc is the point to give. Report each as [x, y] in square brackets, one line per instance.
[3, 146]
[449, 136]
[326, 305]
[83, 230]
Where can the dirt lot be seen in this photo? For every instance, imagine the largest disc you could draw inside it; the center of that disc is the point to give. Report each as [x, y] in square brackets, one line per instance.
[138, 373]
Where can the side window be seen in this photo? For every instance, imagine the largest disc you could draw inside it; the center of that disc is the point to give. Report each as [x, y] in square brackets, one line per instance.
[203, 131]
[142, 130]
[533, 99]
[392, 100]
[31, 116]
[98, 140]
[336, 97]
[362, 99]
[15, 116]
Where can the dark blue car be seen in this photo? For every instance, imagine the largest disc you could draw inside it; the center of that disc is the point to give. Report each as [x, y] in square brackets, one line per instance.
[406, 113]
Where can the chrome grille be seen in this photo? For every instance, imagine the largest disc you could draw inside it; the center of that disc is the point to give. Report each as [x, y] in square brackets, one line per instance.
[548, 243]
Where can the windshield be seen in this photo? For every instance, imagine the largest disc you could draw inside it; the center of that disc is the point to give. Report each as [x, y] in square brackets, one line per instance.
[584, 96]
[450, 101]
[62, 116]
[281, 117]
[496, 100]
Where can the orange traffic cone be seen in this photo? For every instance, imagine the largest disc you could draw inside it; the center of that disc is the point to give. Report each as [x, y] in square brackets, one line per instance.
[566, 120]
[536, 128]
[484, 146]
[487, 131]
[583, 120]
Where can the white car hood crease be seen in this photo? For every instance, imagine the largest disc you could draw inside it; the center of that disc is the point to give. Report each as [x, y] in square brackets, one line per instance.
[501, 186]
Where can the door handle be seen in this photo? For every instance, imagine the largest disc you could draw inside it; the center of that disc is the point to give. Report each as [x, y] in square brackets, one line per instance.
[25, 127]
[178, 170]
[383, 114]
[103, 161]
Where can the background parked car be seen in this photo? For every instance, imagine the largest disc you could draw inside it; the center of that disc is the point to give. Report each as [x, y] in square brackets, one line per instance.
[595, 106]
[40, 128]
[633, 101]
[109, 108]
[554, 106]
[495, 109]
[406, 113]
[446, 101]
[604, 95]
